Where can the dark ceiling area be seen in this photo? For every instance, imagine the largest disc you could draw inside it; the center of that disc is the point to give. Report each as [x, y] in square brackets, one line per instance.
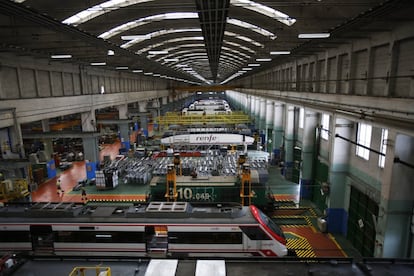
[199, 41]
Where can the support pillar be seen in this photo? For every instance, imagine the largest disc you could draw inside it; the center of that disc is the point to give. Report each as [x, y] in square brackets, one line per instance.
[252, 106]
[48, 151]
[270, 111]
[123, 127]
[48, 145]
[257, 113]
[143, 118]
[90, 144]
[262, 114]
[395, 226]
[338, 171]
[308, 154]
[278, 132]
[289, 141]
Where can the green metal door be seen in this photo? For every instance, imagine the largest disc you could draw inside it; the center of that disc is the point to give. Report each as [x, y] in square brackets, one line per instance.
[363, 212]
[321, 176]
[297, 161]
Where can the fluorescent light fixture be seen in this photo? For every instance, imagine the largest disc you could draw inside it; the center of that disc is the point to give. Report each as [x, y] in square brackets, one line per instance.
[121, 68]
[263, 59]
[315, 35]
[98, 63]
[148, 73]
[61, 56]
[253, 64]
[111, 52]
[171, 59]
[132, 37]
[156, 75]
[137, 71]
[280, 53]
[181, 65]
[157, 52]
[247, 68]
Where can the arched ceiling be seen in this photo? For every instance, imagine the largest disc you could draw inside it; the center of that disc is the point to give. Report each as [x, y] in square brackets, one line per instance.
[197, 41]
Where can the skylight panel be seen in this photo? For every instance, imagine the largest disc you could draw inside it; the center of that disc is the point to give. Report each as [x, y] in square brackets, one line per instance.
[233, 56]
[244, 38]
[178, 54]
[97, 10]
[166, 42]
[159, 33]
[251, 27]
[146, 20]
[239, 46]
[265, 10]
[235, 52]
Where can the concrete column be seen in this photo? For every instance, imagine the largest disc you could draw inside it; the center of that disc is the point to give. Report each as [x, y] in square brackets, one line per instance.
[262, 114]
[257, 112]
[48, 144]
[123, 127]
[338, 171]
[155, 112]
[90, 144]
[249, 104]
[11, 141]
[245, 104]
[395, 226]
[88, 121]
[143, 118]
[308, 152]
[278, 131]
[270, 111]
[252, 106]
[289, 140]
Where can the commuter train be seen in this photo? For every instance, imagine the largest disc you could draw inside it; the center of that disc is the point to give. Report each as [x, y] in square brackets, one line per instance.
[156, 229]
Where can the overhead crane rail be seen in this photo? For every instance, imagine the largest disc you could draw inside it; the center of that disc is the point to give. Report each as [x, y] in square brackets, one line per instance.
[176, 118]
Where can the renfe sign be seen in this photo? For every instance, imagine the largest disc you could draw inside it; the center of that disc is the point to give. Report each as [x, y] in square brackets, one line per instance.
[208, 139]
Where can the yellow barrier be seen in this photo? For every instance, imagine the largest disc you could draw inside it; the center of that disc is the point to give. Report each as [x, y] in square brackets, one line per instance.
[99, 271]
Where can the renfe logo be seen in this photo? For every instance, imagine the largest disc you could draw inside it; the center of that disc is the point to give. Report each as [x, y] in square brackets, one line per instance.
[206, 138]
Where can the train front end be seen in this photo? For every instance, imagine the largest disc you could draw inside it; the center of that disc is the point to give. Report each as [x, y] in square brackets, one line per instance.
[275, 244]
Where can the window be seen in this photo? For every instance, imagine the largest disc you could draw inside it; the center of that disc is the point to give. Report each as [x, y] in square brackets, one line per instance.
[254, 232]
[325, 126]
[205, 237]
[301, 117]
[15, 236]
[383, 148]
[364, 139]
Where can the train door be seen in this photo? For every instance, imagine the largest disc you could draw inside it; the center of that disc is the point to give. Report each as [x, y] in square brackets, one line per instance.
[42, 239]
[252, 243]
[156, 240]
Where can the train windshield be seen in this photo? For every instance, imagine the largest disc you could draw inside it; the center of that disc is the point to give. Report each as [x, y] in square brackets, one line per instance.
[267, 222]
[271, 224]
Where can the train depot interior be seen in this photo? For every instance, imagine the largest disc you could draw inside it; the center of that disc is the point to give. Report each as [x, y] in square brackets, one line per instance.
[206, 137]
